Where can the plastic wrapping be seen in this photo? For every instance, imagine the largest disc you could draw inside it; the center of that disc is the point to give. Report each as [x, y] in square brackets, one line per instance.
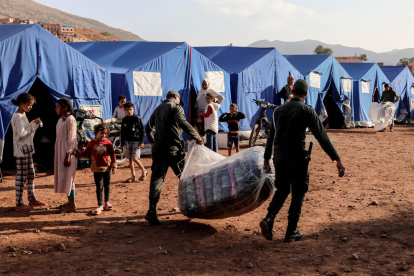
[215, 187]
[381, 114]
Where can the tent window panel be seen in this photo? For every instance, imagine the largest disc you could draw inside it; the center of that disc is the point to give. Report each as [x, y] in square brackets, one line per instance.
[147, 83]
[251, 81]
[412, 90]
[315, 80]
[365, 87]
[216, 80]
[347, 85]
[88, 83]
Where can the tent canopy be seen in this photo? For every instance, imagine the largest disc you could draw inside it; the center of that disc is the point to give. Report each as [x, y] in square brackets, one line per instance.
[29, 52]
[144, 72]
[256, 74]
[324, 74]
[402, 81]
[368, 80]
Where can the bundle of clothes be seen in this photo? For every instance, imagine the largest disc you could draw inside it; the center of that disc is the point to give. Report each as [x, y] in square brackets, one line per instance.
[381, 115]
[215, 187]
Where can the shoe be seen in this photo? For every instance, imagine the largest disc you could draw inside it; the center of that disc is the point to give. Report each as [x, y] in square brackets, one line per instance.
[294, 236]
[151, 217]
[267, 228]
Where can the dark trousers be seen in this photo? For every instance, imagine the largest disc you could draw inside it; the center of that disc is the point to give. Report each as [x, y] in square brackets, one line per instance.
[161, 161]
[103, 182]
[291, 176]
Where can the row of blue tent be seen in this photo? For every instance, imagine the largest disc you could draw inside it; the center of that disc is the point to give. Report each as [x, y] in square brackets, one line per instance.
[94, 74]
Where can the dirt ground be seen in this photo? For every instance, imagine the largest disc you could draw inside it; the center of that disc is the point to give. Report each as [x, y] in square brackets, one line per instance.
[360, 224]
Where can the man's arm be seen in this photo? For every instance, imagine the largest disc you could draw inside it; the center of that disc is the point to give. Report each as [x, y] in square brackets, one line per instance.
[148, 130]
[282, 93]
[396, 97]
[179, 117]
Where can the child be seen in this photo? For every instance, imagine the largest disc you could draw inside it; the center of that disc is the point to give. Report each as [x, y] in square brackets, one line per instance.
[232, 120]
[65, 147]
[211, 122]
[103, 160]
[132, 135]
[199, 126]
[23, 149]
[119, 112]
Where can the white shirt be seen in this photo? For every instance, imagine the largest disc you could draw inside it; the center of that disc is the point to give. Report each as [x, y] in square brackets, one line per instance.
[23, 133]
[119, 113]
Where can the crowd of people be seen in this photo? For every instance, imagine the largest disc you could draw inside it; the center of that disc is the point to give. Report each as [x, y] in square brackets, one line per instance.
[168, 121]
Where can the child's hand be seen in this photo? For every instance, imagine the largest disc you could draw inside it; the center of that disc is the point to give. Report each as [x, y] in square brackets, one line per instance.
[113, 170]
[141, 146]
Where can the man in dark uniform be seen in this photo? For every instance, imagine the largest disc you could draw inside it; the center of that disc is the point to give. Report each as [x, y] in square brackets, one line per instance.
[169, 121]
[291, 159]
[287, 89]
[389, 95]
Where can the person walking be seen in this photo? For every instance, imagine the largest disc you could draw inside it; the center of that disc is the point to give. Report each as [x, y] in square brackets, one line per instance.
[287, 137]
[389, 95]
[169, 121]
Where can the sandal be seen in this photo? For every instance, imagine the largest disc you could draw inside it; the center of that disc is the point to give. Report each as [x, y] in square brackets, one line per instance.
[108, 207]
[38, 204]
[130, 180]
[143, 177]
[68, 209]
[97, 211]
[24, 208]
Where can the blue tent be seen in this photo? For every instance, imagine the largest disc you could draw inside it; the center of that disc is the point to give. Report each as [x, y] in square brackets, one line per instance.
[28, 53]
[144, 72]
[368, 84]
[402, 82]
[324, 74]
[255, 73]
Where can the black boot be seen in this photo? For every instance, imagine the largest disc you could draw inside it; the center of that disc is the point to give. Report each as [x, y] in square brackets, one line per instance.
[267, 225]
[292, 234]
[151, 216]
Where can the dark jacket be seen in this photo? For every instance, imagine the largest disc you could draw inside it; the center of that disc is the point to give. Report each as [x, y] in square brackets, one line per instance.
[285, 92]
[291, 120]
[232, 121]
[132, 129]
[390, 96]
[168, 121]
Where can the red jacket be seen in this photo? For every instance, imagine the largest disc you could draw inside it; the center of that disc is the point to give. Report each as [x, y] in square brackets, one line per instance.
[102, 155]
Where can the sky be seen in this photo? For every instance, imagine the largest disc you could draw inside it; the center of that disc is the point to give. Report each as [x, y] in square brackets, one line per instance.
[379, 25]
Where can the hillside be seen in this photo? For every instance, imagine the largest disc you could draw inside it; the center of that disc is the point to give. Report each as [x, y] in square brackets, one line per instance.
[28, 9]
[94, 35]
[306, 47]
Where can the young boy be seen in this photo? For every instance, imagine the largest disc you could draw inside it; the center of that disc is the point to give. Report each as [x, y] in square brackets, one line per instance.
[211, 122]
[119, 112]
[199, 126]
[132, 135]
[103, 160]
[232, 120]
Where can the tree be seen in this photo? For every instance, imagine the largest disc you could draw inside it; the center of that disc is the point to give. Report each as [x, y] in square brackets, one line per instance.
[320, 50]
[363, 57]
[405, 61]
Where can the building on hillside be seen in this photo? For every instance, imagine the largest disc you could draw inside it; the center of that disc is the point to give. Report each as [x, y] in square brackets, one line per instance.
[10, 20]
[65, 33]
[6, 20]
[350, 59]
[380, 63]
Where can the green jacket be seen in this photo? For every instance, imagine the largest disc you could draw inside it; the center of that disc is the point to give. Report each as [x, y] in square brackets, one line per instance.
[168, 121]
[390, 96]
[291, 120]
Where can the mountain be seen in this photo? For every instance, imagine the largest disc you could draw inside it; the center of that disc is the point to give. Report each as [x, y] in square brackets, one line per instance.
[306, 47]
[28, 9]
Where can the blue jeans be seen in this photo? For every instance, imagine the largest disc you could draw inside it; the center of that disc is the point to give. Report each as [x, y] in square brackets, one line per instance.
[212, 140]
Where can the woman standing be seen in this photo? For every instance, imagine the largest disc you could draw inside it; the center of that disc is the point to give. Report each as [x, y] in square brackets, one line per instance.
[65, 147]
[201, 96]
[23, 149]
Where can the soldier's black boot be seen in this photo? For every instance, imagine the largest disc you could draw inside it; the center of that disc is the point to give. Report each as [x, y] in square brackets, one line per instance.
[292, 234]
[267, 225]
[151, 216]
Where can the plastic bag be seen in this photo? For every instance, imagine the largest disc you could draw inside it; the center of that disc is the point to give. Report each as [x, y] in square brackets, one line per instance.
[381, 114]
[215, 187]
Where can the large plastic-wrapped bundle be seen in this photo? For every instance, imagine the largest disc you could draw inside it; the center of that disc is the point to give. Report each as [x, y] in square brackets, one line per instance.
[215, 187]
[381, 114]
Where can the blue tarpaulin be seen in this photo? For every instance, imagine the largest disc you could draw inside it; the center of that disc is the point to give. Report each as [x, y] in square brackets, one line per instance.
[368, 82]
[323, 72]
[29, 52]
[255, 73]
[144, 72]
[402, 82]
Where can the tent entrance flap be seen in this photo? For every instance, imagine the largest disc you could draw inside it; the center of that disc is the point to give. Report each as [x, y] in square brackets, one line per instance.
[335, 117]
[44, 139]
